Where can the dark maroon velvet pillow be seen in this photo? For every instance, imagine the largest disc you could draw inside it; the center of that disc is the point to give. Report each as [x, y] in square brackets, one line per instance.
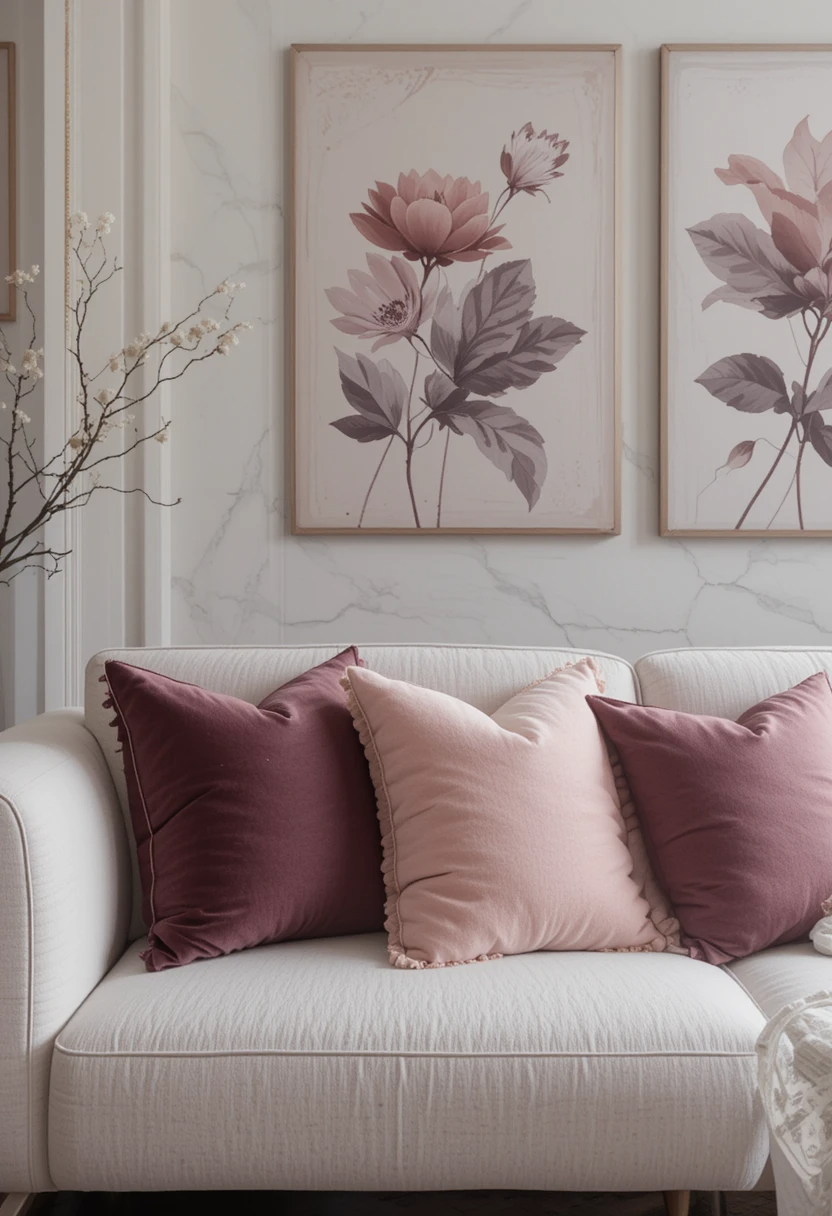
[253, 823]
[737, 816]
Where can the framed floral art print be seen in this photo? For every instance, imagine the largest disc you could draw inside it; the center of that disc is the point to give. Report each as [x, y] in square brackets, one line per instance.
[747, 291]
[454, 289]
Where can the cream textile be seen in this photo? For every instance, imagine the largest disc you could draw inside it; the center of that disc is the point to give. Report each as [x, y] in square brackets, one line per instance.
[725, 682]
[795, 1073]
[776, 977]
[64, 906]
[317, 1065]
[485, 676]
[502, 833]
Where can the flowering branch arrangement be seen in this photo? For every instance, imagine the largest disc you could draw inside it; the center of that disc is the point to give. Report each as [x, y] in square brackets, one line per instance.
[783, 271]
[478, 347]
[37, 487]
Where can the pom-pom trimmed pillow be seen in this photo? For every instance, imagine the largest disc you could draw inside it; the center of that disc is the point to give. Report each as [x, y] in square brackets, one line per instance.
[253, 823]
[737, 816]
[502, 834]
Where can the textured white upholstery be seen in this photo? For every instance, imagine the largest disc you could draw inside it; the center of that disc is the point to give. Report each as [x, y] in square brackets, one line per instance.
[774, 978]
[317, 1065]
[725, 682]
[64, 906]
[485, 676]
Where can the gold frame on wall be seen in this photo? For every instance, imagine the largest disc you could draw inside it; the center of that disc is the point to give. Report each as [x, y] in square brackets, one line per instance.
[292, 293]
[10, 311]
[667, 51]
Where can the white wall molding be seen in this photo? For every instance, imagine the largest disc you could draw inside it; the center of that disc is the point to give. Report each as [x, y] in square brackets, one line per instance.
[60, 600]
[115, 589]
[156, 298]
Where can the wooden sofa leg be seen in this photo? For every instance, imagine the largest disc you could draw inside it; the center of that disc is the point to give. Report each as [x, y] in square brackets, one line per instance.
[677, 1203]
[16, 1205]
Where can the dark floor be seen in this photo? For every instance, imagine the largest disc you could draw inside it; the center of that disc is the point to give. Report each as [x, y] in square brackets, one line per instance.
[439, 1203]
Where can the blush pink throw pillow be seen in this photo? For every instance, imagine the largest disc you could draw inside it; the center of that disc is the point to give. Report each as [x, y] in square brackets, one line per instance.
[502, 834]
[737, 816]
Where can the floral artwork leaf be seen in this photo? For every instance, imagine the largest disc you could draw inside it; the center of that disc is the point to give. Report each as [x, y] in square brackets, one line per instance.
[808, 161]
[751, 383]
[539, 347]
[441, 394]
[820, 437]
[821, 398]
[492, 312]
[355, 426]
[376, 390]
[754, 272]
[485, 321]
[509, 441]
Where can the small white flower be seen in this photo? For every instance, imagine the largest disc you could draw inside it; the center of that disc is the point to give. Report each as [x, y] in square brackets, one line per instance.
[209, 324]
[115, 363]
[103, 396]
[177, 338]
[79, 219]
[222, 288]
[34, 270]
[22, 416]
[195, 333]
[3, 405]
[162, 436]
[105, 223]
[75, 442]
[165, 327]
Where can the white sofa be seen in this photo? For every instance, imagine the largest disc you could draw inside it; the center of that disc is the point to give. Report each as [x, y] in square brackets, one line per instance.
[314, 1064]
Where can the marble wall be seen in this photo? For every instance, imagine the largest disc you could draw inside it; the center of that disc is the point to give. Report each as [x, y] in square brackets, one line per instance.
[239, 576]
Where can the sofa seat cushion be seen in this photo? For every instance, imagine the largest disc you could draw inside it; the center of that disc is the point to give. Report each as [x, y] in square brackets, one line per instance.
[774, 978]
[314, 1065]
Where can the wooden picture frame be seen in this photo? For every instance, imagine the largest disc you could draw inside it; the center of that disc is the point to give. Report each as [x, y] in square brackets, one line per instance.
[493, 478]
[739, 123]
[8, 180]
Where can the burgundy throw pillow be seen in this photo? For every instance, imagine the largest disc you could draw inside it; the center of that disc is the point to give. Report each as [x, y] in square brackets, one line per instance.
[737, 816]
[253, 823]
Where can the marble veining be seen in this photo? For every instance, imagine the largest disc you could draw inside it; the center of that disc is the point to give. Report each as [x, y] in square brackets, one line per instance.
[239, 576]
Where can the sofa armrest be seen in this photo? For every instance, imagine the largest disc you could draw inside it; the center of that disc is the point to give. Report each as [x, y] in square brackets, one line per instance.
[64, 909]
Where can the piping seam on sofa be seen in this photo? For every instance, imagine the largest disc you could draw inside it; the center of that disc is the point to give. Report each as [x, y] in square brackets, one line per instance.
[406, 1055]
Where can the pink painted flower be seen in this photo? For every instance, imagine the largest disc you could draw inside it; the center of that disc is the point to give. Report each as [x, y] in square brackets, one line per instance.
[386, 304]
[798, 211]
[432, 218]
[530, 161]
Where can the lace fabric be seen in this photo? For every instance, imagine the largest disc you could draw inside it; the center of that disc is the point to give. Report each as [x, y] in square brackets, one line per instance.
[795, 1076]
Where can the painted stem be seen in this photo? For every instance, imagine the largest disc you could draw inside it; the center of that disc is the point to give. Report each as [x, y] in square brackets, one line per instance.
[442, 479]
[767, 477]
[799, 491]
[783, 499]
[815, 339]
[375, 479]
[410, 440]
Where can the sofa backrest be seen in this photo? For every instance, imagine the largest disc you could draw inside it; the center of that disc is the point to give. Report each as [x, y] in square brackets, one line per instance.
[725, 682]
[484, 676]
